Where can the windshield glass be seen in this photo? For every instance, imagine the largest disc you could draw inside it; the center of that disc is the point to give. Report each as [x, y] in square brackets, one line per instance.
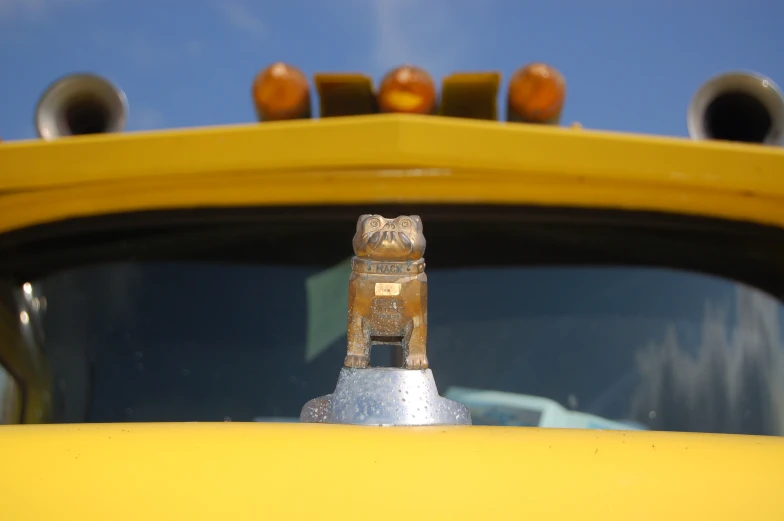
[643, 347]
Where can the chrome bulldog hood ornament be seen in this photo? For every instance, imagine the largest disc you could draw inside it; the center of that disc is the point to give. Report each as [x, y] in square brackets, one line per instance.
[387, 305]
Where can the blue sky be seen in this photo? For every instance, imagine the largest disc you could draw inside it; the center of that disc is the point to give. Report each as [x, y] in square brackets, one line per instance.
[630, 66]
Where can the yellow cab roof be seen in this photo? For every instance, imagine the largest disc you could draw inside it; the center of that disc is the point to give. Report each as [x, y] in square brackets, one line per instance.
[386, 159]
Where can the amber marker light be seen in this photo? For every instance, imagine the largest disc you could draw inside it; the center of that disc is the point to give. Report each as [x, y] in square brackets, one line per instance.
[407, 89]
[536, 94]
[281, 92]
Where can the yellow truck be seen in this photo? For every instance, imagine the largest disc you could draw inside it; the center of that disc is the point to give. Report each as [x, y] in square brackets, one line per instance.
[238, 323]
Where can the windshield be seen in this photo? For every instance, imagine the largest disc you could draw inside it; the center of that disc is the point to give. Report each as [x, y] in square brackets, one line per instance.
[186, 341]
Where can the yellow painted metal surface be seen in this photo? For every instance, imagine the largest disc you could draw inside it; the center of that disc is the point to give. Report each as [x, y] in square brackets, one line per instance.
[386, 158]
[127, 472]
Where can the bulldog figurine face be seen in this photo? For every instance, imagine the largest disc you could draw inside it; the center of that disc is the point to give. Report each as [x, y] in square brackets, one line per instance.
[382, 239]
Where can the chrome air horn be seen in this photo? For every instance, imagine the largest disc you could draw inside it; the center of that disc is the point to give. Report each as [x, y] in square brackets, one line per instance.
[738, 106]
[80, 104]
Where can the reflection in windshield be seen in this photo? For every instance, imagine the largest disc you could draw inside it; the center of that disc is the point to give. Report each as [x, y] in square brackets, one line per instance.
[734, 382]
[199, 342]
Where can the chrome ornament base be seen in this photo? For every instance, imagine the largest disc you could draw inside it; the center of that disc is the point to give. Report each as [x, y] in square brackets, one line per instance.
[385, 396]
